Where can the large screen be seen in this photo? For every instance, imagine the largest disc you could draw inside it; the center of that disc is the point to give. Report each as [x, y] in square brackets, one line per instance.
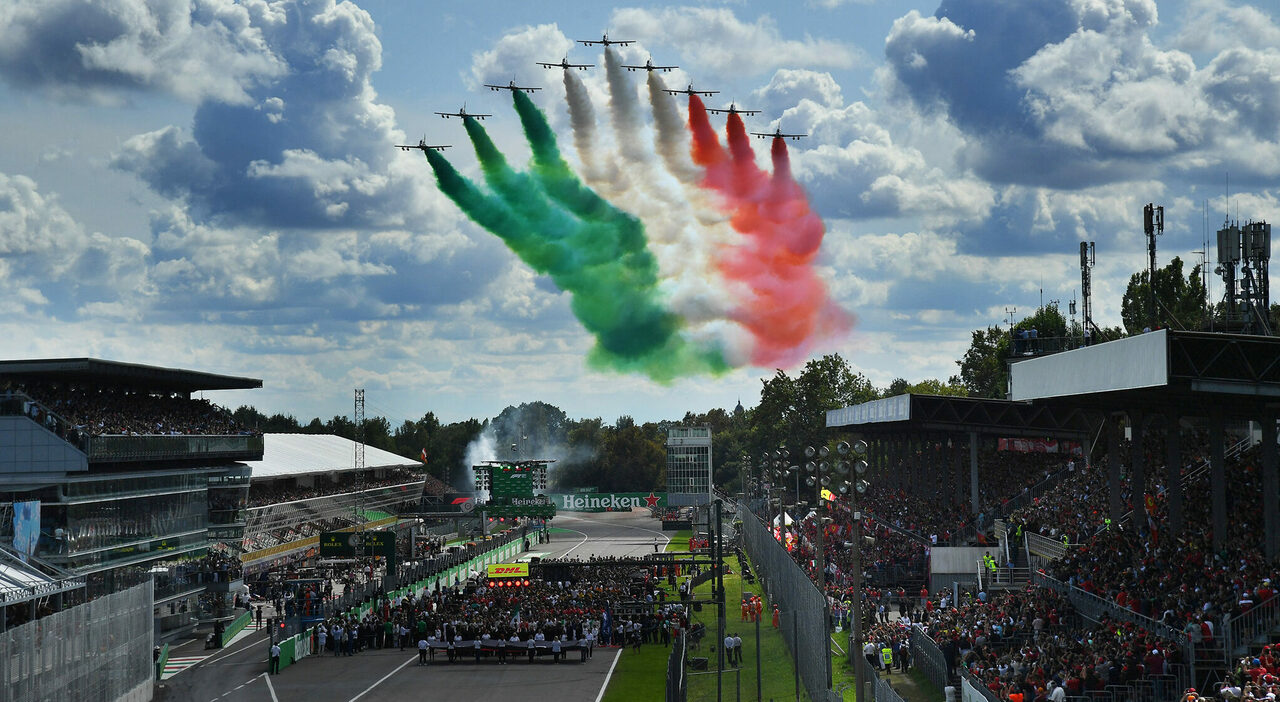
[26, 527]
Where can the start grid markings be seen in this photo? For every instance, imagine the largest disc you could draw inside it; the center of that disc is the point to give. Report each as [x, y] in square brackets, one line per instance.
[177, 664]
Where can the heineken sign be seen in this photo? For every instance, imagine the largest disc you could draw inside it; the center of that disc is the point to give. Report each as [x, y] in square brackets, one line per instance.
[607, 501]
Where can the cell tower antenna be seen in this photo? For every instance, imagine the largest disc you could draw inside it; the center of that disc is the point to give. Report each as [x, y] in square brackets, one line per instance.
[1153, 226]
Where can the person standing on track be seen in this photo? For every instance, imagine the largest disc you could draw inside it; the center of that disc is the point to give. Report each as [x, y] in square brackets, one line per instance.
[275, 658]
[422, 651]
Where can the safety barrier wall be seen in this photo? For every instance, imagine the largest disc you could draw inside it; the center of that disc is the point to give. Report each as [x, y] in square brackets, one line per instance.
[100, 650]
[236, 627]
[801, 605]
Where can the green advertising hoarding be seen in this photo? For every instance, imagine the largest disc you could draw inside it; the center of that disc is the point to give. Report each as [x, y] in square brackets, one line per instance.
[607, 501]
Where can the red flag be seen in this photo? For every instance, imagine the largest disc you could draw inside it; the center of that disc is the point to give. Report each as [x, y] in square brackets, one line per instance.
[424, 455]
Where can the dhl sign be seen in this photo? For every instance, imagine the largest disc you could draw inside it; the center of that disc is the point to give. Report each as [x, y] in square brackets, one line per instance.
[508, 570]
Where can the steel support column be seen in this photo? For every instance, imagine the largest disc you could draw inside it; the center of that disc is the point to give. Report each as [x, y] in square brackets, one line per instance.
[1270, 487]
[1173, 473]
[1217, 481]
[974, 504]
[1138, 468]
[1114, 503]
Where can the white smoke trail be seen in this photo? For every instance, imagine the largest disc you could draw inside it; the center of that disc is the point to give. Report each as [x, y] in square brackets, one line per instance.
[672, 139]
[482, 448]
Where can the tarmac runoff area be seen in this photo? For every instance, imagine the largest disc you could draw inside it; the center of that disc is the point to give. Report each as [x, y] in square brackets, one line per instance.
[239, 673]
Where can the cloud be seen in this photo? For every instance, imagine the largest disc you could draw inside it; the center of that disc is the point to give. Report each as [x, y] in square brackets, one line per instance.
[715, 39]
[78, 50]
[308, 147]
[48, 259]
[850, 163]
[1071, 93]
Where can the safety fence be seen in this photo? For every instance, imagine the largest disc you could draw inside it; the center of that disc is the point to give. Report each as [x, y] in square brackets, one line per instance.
[1241, 630]
[881, 689]
[100, 650]
[677, 682]
[928, 658]
[439, 573]
[801, 606]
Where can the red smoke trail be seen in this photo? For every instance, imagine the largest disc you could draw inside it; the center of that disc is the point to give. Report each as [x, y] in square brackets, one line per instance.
[788, 311]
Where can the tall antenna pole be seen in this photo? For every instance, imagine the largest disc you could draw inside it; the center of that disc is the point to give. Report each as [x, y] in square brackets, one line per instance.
[1153, 226]
[358, 418]
[1086, 307]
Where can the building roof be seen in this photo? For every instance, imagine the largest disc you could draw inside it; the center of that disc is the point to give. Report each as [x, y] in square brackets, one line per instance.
[287, 455]
[134, 375]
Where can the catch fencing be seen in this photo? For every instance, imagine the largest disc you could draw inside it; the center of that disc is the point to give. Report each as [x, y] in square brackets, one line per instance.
[99, 651]
[928, 658]
[801, 606]
[677, 680]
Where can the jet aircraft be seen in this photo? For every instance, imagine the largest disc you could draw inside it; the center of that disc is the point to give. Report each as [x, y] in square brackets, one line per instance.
[510, 86]
[690, 91]
[605, 40]
[462, 112]
[777, 134]
[423, 146]
[648, 66]
[564, 63]
[732, 110]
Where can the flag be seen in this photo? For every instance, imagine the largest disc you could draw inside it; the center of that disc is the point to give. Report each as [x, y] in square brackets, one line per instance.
[424, 455]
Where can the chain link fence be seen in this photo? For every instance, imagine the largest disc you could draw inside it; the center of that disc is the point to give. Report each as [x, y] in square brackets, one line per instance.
[801, 606]
[97, 651]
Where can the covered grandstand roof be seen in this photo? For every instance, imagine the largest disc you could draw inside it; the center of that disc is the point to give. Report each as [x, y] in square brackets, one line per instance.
[287, 455]
[94, 370]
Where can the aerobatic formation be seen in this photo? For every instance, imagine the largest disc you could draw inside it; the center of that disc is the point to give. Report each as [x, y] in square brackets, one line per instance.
[681, 256]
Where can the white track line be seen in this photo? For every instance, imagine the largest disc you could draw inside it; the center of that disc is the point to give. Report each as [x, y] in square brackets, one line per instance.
[575, 548]
[605, 686]
[383, 679]
[270, 688]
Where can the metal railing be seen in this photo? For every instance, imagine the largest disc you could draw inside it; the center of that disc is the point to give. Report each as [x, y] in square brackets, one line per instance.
[803, 608]
[677, 682]
[19, 404]
[1194, 474]
[1045, 547]
[1240, 631]
[973, 688]
[1093, 607]
[929, 658]
[114, 448]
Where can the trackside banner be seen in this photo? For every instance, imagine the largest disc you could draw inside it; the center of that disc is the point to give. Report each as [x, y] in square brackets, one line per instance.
[507, 570]
[607, 501]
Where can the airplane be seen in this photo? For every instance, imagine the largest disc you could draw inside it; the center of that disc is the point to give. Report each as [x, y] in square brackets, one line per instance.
[462, 112]
[564, 63]
[777, 134]
[648, 66]
[690, 91]
[423, 145]
[732, 110]
[509, 86]
[605, 40]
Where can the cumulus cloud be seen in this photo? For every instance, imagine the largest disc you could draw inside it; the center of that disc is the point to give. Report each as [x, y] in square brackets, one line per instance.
[850, 163]
[1074, 92]
[715, 38]
[84, 50]
[46, 256]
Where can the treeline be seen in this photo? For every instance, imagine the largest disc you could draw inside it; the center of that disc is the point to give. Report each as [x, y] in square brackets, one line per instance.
[619, 456]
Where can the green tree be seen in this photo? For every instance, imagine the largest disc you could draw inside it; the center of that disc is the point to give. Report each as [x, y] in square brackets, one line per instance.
[982, 370]
[1180, 300]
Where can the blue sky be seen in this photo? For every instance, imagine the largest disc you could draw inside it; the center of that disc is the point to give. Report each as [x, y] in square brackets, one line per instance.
[210, 184]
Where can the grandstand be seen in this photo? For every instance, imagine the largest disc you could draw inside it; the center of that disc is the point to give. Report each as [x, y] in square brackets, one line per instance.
[1132, 569]
[306, 484]
[118, 464]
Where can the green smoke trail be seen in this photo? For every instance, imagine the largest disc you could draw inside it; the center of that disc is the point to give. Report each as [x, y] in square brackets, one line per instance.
[602, 262]
[561, 183]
